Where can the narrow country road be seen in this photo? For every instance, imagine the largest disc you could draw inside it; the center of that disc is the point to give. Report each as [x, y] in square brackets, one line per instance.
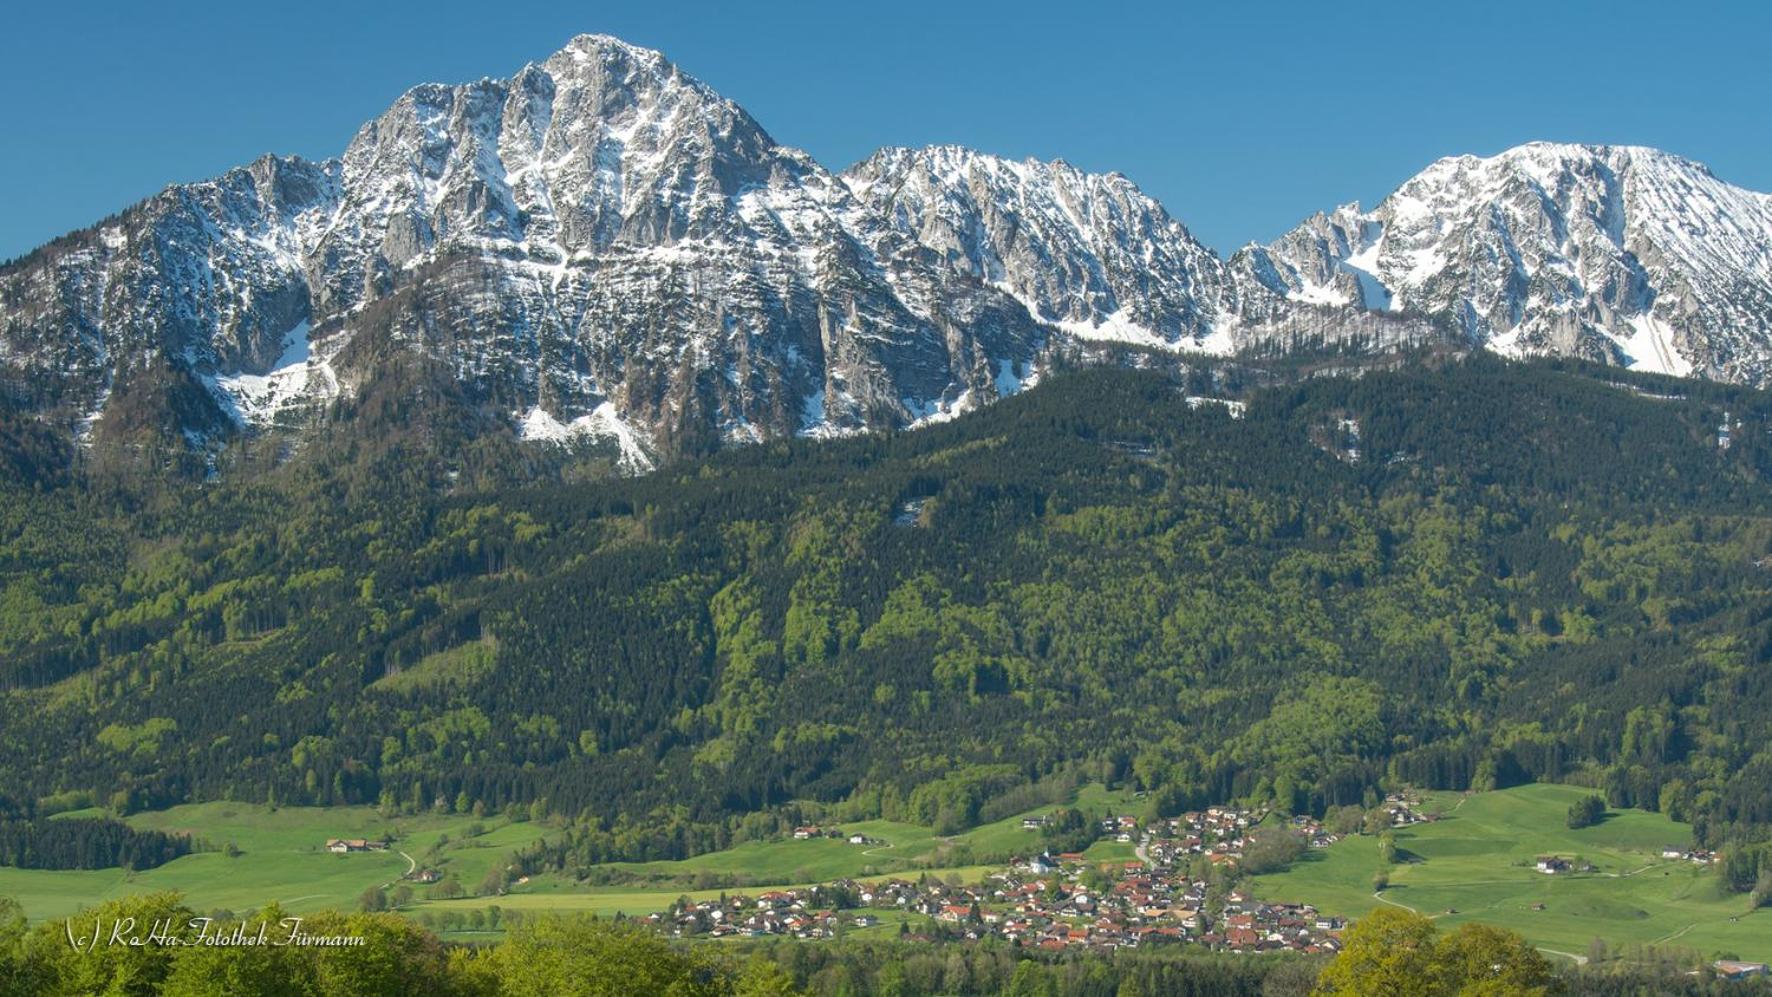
[1379, 896]
[411, 867]
[1580, 960]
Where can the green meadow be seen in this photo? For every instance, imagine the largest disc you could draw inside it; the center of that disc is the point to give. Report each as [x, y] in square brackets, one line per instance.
[894, 847]
[632, 902]
[282, 859]
[1477, 864]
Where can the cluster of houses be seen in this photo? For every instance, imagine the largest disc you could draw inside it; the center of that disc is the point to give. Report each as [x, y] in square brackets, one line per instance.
[1556, 865]
[1697, 856]
[810, 831]
[1121, 828]
[1138, 905]
[1043, 899]
[1220, 834]
[1553, 865]
[1042, 902]
[803, 912]
[1405, 810]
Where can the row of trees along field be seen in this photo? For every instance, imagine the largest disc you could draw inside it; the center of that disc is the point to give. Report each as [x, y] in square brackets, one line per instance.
[1390, 952]
[1459, 575]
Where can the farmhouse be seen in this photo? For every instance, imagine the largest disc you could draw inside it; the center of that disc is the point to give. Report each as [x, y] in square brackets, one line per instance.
[1734, 969]
[340, 846]
[1551, 865]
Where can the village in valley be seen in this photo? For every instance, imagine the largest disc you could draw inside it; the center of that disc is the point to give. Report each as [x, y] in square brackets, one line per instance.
[1085, 875]
[1178, 890]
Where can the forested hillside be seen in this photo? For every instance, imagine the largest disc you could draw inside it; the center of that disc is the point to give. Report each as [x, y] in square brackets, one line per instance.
[1462, 573]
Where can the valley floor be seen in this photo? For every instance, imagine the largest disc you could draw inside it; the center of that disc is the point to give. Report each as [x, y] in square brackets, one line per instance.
[1476, 863]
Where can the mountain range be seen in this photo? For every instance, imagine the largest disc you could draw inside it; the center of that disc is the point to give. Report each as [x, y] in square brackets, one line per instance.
[602, 249]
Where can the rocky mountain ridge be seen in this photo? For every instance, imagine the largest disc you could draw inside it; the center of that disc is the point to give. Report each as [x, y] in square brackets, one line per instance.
[1619, 254]
[602, 248]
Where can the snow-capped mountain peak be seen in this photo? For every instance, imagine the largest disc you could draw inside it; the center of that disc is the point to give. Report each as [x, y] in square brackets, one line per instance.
[1619, 253]
[1088, 253]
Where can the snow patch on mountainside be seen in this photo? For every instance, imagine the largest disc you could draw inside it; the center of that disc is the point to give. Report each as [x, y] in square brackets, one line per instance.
[1650, 347]
[297, 375]
[602, 423]
[930, 413]
[1008, 382]
[1117, 327]
[1373, 294]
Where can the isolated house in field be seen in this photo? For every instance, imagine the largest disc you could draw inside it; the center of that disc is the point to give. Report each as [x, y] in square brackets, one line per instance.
[1735, 969]
[339, 846]
[1551, 865]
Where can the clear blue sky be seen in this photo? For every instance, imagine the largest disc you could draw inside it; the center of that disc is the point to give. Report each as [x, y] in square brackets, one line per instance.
[1241, 117]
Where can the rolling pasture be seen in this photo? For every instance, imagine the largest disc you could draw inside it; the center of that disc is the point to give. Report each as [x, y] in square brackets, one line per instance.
[1477, 864]
[282, 859]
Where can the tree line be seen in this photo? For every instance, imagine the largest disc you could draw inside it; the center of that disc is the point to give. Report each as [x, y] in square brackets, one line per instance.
[86, 843]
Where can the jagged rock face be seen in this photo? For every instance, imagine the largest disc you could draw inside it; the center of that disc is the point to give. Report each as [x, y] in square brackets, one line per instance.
[1089, 254]
[1624, 255]
[203, 273]
[602, 246]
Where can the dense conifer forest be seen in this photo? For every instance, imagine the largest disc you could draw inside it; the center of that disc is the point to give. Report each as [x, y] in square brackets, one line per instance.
[1454, 573]
[81, 843]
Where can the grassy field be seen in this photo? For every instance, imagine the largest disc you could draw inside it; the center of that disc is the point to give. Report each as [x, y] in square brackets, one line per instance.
[552, 896]
[907, 848]
[282, 858]
[1478, 861]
